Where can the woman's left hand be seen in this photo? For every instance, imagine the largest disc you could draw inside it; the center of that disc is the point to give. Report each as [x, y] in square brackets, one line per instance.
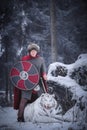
[45, 77]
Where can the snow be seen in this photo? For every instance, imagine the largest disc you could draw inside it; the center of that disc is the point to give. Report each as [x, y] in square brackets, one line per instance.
[67, 81]
[19, 51]
[8, 118]
[76, 118]
[1, 48]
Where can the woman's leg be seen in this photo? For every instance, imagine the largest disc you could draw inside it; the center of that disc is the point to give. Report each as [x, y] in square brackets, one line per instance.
[22, 105]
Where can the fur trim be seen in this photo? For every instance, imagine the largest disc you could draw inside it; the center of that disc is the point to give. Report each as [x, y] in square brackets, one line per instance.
[33, 46]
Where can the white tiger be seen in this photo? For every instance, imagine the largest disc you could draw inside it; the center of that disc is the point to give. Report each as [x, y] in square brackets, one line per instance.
[44, 109]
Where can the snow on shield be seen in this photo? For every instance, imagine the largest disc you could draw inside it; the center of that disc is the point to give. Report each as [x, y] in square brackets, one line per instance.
[24, 75]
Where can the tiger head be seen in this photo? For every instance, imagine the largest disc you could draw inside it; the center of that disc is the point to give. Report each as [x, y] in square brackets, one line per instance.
[48, 101]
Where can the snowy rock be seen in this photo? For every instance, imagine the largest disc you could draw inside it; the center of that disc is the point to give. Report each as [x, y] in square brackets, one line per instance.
[60, 70]
[80, 75]
[79, 72]
[73, 86]
[82, 56]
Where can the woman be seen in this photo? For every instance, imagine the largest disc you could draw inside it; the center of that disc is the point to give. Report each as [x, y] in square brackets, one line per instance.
[32, 95]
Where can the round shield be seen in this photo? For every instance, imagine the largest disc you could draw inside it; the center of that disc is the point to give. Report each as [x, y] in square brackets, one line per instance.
[24, 75]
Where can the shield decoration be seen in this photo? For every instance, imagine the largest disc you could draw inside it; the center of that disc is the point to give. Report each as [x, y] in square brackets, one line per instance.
[24, 75]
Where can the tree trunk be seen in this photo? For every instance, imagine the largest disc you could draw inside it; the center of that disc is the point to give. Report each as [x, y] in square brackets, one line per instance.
[53, 30]
[6, 72]
[8, 86]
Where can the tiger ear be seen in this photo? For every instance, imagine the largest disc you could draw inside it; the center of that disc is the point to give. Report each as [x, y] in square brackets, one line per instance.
[42, 94]
[53, 95]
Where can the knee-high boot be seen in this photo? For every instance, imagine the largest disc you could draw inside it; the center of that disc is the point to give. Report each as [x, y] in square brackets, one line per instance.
[22, 105]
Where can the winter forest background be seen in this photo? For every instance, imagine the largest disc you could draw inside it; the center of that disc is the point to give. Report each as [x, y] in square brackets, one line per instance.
[59, 27]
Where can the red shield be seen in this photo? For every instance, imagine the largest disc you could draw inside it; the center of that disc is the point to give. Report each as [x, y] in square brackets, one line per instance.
[24, 75]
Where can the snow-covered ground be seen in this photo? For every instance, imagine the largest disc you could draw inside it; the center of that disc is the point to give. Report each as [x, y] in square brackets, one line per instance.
[8, 122]
[76, 116]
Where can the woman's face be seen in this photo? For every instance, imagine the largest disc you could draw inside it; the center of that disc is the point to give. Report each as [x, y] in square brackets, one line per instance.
[33, 53]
